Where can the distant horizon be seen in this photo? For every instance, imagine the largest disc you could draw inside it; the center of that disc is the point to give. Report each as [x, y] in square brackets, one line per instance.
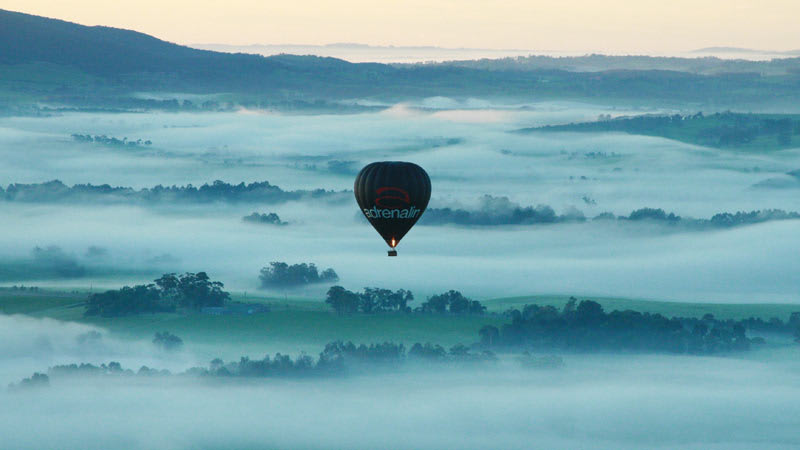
[362, 52]
[393, 53]
[365, 44]
[571, 26]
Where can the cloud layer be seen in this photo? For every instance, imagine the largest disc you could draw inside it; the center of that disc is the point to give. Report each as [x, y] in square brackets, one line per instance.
[469, 151]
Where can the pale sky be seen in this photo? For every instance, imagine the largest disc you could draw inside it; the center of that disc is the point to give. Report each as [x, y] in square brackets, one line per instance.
[611, 26]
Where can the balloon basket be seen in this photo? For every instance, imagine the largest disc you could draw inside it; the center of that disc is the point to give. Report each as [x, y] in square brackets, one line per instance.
[392, 252]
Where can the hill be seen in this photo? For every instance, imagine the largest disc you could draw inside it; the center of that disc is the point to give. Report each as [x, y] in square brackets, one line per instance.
[133, 59]
[750, 132]
[56, 62]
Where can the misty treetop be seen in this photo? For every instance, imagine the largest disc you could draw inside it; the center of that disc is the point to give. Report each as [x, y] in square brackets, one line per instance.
[128, 300]
[453, 302]
[60, 262]
[192, 290]
[53, 262]
[586, 327]
[110, 141]
[371, 300]
[493, 211]
[378, 300]
[336, 359]
[167, 294]
[264, 219]
[113, 368]
[218, 191]
[282, 275]
[499, 211]
[37, 380]
[597, 62]
[167, 341]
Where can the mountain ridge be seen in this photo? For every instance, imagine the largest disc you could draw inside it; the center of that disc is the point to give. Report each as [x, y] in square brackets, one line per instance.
[122, 62]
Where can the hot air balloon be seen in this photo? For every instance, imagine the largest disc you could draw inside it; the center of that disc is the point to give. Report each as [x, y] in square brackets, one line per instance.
[392, 195]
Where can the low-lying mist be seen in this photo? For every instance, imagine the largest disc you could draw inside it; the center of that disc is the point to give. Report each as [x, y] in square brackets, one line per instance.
[470, 151]
[592, 402]
[742, 400]
[30, 344]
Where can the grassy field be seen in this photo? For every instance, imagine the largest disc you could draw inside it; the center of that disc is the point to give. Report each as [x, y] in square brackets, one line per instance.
[292, 325]
[34, 303]
[295, 325]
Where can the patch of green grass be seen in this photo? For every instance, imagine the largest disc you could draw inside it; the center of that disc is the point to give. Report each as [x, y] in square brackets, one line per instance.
[32, 303]
[300, 324]
[293, 324]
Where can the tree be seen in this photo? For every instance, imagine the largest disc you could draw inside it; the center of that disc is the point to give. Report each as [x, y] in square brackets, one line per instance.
[436, 304]
[342, 301]
[589, 328]
[589, 312]
[166, 341]
[328, 275]
[489, 335]
[476, 308]
[280, 274]
[383, 300]
[269, 219]
[458, 303]
[126, 301]
[454, 301]
[190, 290]
[569, 307]
[428, 351]
[367, 303]
[198, 291]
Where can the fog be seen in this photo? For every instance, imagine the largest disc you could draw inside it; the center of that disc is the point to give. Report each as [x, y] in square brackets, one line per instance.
[470, 149]
[594, 401]
[30, 345]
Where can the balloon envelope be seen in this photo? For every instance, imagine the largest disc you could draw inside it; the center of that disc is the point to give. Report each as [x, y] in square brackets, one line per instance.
[392, 195]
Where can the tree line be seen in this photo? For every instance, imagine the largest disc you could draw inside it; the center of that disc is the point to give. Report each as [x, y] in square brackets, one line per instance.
[166, 294]
[282, 275]
[264, 219]
[194, 291]
[585, 326]
[218, 191]
[111, 141]
[378, 300]
[726, 129]
[497, 211]
[336, 359]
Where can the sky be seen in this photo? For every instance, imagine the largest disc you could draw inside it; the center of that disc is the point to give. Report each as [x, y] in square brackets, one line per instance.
[610, 26]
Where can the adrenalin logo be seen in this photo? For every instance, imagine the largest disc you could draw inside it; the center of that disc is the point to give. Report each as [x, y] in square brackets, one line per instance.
[390, 199]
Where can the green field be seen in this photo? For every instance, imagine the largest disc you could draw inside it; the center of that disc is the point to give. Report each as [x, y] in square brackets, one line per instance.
[15, 302]
[292, 325]
[295, 325]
